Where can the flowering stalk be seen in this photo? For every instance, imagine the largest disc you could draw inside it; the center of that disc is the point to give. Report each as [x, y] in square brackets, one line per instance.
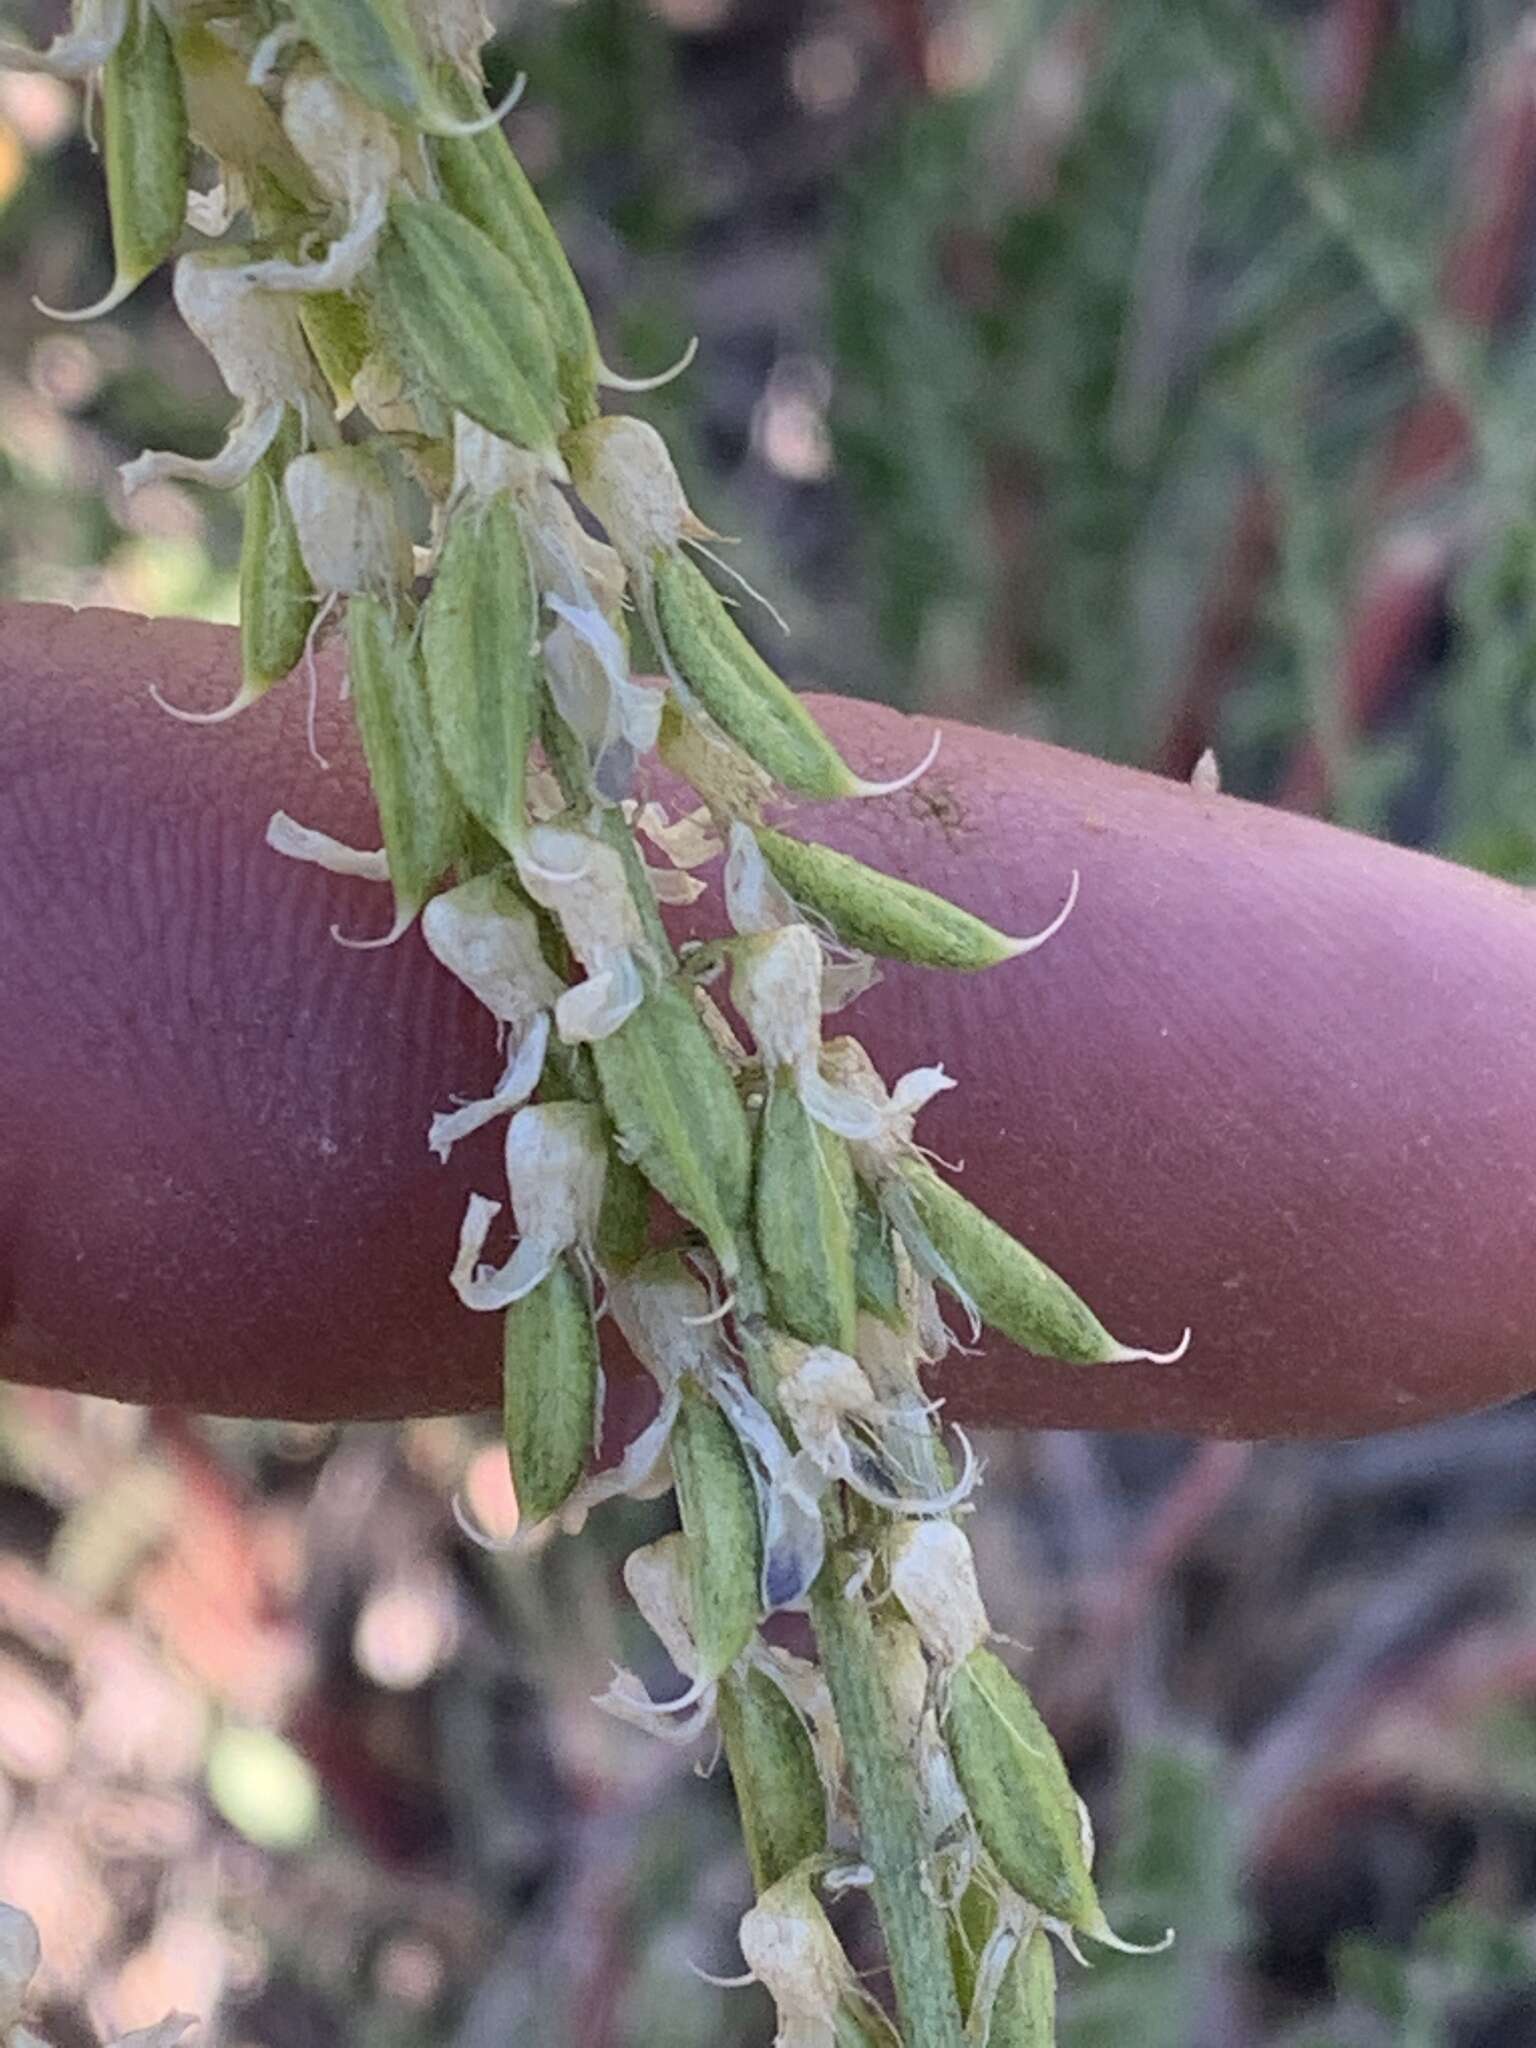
[393, 269]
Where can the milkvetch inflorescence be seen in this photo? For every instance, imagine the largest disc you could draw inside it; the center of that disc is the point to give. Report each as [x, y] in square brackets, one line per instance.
[685, 1149]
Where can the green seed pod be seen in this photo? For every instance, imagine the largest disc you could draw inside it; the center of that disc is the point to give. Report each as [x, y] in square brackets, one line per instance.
[478, 642]
[232, 120]
[146, 148]
[480, 175]
[723, 670]
[876, 1276]
[675, 1106]
[1010, 1288]
[463, 324]
[422, 819]
[1019, 1793]
[880, 914]
[336, 328]
[277, 598]
[779, 1791]
[1025, 2013]
[802, 1213]
[717, 1504]
[549, 1390]
[623, 1225]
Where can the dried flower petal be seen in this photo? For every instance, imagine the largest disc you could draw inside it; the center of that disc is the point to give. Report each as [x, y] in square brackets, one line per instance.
[556, 1160]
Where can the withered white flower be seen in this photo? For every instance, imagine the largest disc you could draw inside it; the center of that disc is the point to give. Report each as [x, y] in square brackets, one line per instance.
[933, 1576]
[757, 902]
[657, 1580]
[353, 155]
[626, 474]
[20, 1955]
[258, 344]
[789, 1484]
[348, 524]
[663, 1313]
[489, 940]
[776, 984]
[850, 1435]
[556, 1164]
[582, 882]
[790, 1949]
[294, 841]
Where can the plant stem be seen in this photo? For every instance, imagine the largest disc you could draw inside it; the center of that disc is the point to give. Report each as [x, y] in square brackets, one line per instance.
[884, 1785]
[882, 1775]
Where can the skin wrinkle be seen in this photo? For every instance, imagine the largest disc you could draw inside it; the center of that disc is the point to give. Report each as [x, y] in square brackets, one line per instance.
[1269, 1079]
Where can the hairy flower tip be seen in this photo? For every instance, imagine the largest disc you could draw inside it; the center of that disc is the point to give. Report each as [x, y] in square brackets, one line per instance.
[347, 522]
[790, 1949]
[933, 1576]
[486, 935]
[627, 479]
[485, 465]
[556, 1163]
[582, 881]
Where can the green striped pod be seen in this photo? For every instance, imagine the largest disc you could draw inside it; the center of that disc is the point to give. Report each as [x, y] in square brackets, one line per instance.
[1017, 1788]
[879, 914]
[876, 1276]
[419, 810]
[478, 645]
[717, 1505]
[623, 1224]
[549, 1390]
[1011, 1290]
[802, 1215]
[480, 175]
[336, 327]
[277, 598]
[724, 671]
[1025, 2013]
[675, 1107]
[146, 149]
[463, 324]
[779, 1792]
